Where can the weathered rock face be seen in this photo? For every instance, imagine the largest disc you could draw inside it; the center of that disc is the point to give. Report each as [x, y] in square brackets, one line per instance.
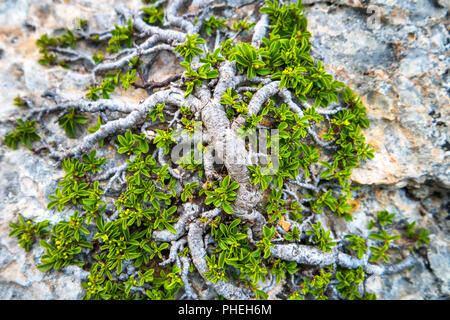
[393, 53]
[399, 67]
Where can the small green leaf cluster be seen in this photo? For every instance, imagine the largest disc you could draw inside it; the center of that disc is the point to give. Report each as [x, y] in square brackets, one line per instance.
[81, 23]
[243, 25]
[321, 237]
[421, 237]
[70, 121]
[349, 280]
[260, 176]
[277, 208]
[25, 133]
[46, 43]
[237, 258]
[314, 288]
[153, 15]
[212, 58]
[234, 103]
[74, 188]
[265, 244]
[196, 77]
[121, 35]
[111, 82]
[26, 232]
[157, 112]
[381, 252]
[131, 143]
[189, 50]
[246, 57]
[223, 195]
[66, 242]
[357, 244]
[97, 57]
[213, 24]
[191, 47]
[279, 269]
[164, 138]
[384, 218]
[19, 102]
[190, 126]
[188, 191]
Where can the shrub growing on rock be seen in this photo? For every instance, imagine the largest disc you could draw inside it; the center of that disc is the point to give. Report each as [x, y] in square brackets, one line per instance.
[245, 220]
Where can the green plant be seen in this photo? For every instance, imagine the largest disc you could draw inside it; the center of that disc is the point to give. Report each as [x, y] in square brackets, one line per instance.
[153, 15]
[215, 268]
[213, 58]
[97, 57]
[196, 77]
[279, 269]
[243, 25]
[26, 232]
[157, 112]
[120, 35]
[246, 57]
[213, 23]
[380, 252]
[383, 218]
[315, 287]
[92, 163]
[229, 97]
[421, 237]
[46, 43]
[265, 244]
[70, 121]
[357, 244]
[260, 176]
[223, 195]
[321, 237]
[18, 101]
[170, 281]
[163, 221]
[349, 280]
[128, 79]
[191, 162]
[66, 241]
[25, 133]
[190, 48]
[293, 235]
[190, 126]
[188, 191]
[164, 139]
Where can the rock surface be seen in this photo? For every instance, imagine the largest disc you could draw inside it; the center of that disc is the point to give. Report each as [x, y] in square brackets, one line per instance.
[393, 53]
